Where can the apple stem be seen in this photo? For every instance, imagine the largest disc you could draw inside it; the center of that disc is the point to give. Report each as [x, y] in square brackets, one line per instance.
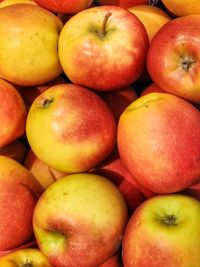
[170, 220]
[102, 30]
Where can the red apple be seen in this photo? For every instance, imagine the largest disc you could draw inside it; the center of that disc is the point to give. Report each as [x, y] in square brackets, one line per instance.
[65, 6]
[158, 142]
[80, 220]
[13, 113]
[18, 196]
[118, 100]
[163, 231]
[78, 128]
[173, 59]
[114, 261]
[123, 3]
[103, 48]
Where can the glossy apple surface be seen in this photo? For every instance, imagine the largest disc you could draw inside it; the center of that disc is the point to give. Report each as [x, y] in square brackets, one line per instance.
[80, 220]
[28, 47]
[173, 59]
[78, 128]
[163, 231]
[154, 133]
[123, 3]
[103, 48]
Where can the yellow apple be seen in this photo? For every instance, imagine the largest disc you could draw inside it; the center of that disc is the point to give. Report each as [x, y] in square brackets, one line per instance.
[29, 257]
[28, 47]
[152, 17]
[182, 8]
[12, 2]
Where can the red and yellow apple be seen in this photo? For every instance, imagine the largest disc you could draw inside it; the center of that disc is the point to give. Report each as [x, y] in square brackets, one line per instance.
[28, 47]
[29, 257]
[70, 128]
[173, 59]
[182, 8]
[159, 144]
[65, 6]
[18, 196]
[83, 223]
[13, 113]
[103, 48]
[152, 88]
[163, 231]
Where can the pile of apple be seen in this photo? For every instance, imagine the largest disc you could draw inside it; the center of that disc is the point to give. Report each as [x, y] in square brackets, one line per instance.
[100, 133]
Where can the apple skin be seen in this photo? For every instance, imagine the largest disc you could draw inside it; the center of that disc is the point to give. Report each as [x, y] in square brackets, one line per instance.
[123, 3]
[182, 8]
[18, 196]
[23, 257]
[65, 6]
[12, 2]
[83, 223]
[15, 150]
[25, 38]
[41, 171]
[173, 57]
[118, 100]
[78, 128]
[163, 231]
[152, 17]
[154, 133]
[152, 88]
[114, 261]
[13, 113]
[82, 50]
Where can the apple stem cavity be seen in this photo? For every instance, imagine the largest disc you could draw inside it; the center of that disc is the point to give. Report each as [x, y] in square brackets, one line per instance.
[27, 264]
[47, 102]
[170, 220]
[102, 30]
[186, 63]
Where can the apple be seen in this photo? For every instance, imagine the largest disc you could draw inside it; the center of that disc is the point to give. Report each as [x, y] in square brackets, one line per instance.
[173, 57]
[15, 150]
[79, 220]
[123, 3]
[103, 48]
[28, 257]
[152, 88]
[18, 196]
[65, 6]
[158, 142]
[118, 100]
[41, 171]
[13, 113]
[182, 8]
[78, 128]
[152, 17]
[12, 2]
[163, 231]
[28, 47]
[31, 244]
